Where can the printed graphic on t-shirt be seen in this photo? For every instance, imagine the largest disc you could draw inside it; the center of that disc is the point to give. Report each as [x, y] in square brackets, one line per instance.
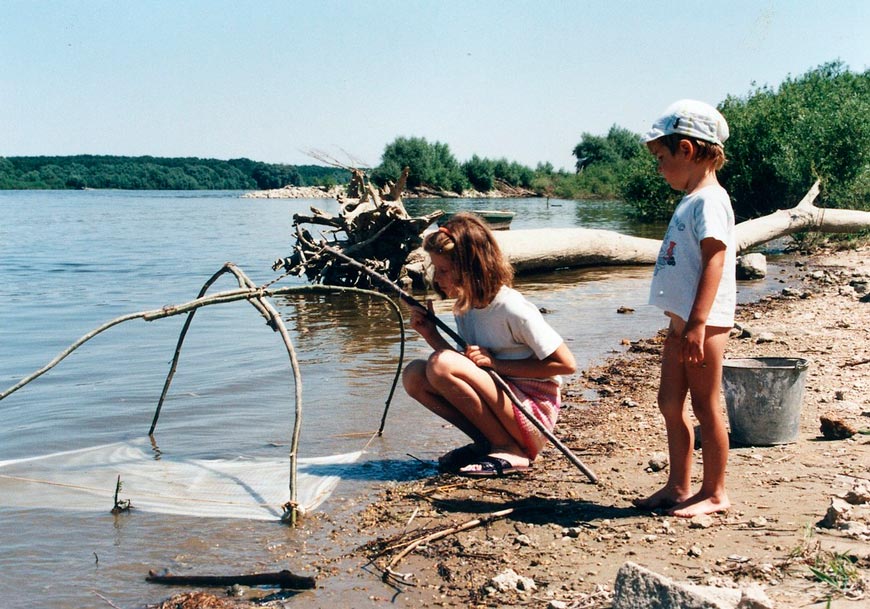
[666, 255]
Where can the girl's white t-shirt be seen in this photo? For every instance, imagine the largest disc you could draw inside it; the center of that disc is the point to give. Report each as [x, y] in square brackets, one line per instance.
[704, 214]
[511, 327]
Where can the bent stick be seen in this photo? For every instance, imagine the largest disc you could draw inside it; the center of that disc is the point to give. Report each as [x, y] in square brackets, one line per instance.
[462, 344]
[285, 579]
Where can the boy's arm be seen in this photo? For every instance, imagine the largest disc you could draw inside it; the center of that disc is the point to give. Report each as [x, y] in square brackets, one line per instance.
[712, 263]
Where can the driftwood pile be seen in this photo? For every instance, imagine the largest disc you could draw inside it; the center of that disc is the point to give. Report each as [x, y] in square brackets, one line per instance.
[373, 227]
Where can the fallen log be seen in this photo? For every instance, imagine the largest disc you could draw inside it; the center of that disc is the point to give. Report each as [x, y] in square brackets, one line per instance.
[804, 217]
[384, 237]
[548, 249]
[285, 579]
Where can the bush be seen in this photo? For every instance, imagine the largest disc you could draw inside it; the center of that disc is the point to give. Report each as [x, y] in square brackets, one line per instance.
[650, 198]
[812, 127]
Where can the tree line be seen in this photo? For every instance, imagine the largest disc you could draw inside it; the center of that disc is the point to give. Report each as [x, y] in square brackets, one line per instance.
[156, 173]
[811, 127]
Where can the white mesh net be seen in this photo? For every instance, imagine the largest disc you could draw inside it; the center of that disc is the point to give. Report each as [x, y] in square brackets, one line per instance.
[85, 480]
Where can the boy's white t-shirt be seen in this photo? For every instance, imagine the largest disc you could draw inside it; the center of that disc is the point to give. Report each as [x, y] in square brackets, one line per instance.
[704, 214]
[511, 327]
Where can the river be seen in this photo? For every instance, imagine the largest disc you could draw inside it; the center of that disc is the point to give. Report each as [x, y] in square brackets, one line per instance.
[75, 260]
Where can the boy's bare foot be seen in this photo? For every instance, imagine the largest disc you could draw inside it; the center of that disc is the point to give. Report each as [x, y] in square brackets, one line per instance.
[698, 505]
[662, 499]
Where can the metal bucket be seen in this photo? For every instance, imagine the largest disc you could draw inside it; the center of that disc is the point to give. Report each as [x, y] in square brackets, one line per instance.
[763, 396]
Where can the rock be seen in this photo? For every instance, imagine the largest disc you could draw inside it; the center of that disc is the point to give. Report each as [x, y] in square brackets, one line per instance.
[658, 462]
[837, 514]
[511, 580]
[297, 192]
[835, 429]
[859, 285]
[639, 588]
[859, 494]
[751, 266]
[754, 597]
[702, 521]
[765, 337]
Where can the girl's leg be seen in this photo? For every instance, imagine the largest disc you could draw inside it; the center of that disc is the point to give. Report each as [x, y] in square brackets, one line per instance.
[673, 387]
[455, 389]
[705, 385]
[417, 385]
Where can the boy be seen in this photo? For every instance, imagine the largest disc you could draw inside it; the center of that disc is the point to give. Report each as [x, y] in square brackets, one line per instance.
[694, 283]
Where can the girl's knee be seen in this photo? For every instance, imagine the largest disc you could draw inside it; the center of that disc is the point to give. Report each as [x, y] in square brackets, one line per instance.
[414, 375]
[442, 363]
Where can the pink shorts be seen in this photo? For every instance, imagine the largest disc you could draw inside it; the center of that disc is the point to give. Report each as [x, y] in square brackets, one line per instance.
[543, 400]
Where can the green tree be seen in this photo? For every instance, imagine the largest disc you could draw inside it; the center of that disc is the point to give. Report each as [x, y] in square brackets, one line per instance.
[480, 173]
[649, 197]
[431, 165]
[618, 145]
[811, 127]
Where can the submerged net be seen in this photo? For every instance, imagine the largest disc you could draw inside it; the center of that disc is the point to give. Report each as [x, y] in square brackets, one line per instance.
[85, 480]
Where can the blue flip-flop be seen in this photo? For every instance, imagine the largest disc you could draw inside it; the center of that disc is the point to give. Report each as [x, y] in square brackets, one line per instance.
[493, 467]
[460, 457]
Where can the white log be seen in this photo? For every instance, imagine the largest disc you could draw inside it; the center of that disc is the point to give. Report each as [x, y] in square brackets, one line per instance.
[547, 249]
[551, 248]
[803, 217]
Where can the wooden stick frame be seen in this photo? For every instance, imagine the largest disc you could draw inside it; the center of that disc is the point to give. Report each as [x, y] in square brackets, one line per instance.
[257, 296]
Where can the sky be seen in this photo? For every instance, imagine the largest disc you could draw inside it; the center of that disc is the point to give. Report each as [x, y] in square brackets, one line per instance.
[284, 81]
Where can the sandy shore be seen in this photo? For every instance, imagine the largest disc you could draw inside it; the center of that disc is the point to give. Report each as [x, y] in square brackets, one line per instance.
[566, 537]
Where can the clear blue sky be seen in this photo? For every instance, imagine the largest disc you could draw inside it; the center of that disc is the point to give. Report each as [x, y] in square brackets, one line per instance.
[272, 80]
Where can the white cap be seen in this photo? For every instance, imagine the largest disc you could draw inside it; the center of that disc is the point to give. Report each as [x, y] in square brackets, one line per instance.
[691, 118]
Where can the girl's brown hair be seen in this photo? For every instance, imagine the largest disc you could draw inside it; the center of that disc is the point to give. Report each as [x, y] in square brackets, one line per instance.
[712, 153]
[479, 268]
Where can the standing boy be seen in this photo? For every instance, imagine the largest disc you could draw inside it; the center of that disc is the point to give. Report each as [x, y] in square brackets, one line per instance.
[694, 283]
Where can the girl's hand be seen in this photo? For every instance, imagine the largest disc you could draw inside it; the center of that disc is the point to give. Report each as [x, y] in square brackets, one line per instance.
[423, 320]
[481, 356]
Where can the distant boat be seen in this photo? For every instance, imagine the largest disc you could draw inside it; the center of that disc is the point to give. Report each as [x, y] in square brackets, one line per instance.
[498, 219]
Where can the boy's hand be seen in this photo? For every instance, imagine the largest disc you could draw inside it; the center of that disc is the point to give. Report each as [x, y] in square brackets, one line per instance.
[692, 344]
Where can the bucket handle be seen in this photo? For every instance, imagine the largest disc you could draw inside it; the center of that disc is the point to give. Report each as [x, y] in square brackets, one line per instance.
[801, 364]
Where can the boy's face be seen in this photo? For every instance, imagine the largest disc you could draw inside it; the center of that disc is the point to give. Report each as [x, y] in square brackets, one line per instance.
[674, 167]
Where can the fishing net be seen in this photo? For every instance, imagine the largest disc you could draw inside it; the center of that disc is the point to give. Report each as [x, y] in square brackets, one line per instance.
[85, 480]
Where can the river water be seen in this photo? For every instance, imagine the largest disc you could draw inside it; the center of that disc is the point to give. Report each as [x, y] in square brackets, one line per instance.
[75, 260]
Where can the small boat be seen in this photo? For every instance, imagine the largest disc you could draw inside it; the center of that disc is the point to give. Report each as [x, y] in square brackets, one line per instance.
[498, 219]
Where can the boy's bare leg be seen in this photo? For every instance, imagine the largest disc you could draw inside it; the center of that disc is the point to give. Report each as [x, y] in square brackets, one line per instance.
[673, 388]
[705, 386]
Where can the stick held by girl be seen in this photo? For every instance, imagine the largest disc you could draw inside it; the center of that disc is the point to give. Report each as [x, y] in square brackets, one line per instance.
[504, 332]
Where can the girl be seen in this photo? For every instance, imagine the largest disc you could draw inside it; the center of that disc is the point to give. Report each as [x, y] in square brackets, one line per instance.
[505, 333]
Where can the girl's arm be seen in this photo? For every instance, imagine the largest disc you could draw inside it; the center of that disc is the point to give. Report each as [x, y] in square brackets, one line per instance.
[560, 362]
[425, 326]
